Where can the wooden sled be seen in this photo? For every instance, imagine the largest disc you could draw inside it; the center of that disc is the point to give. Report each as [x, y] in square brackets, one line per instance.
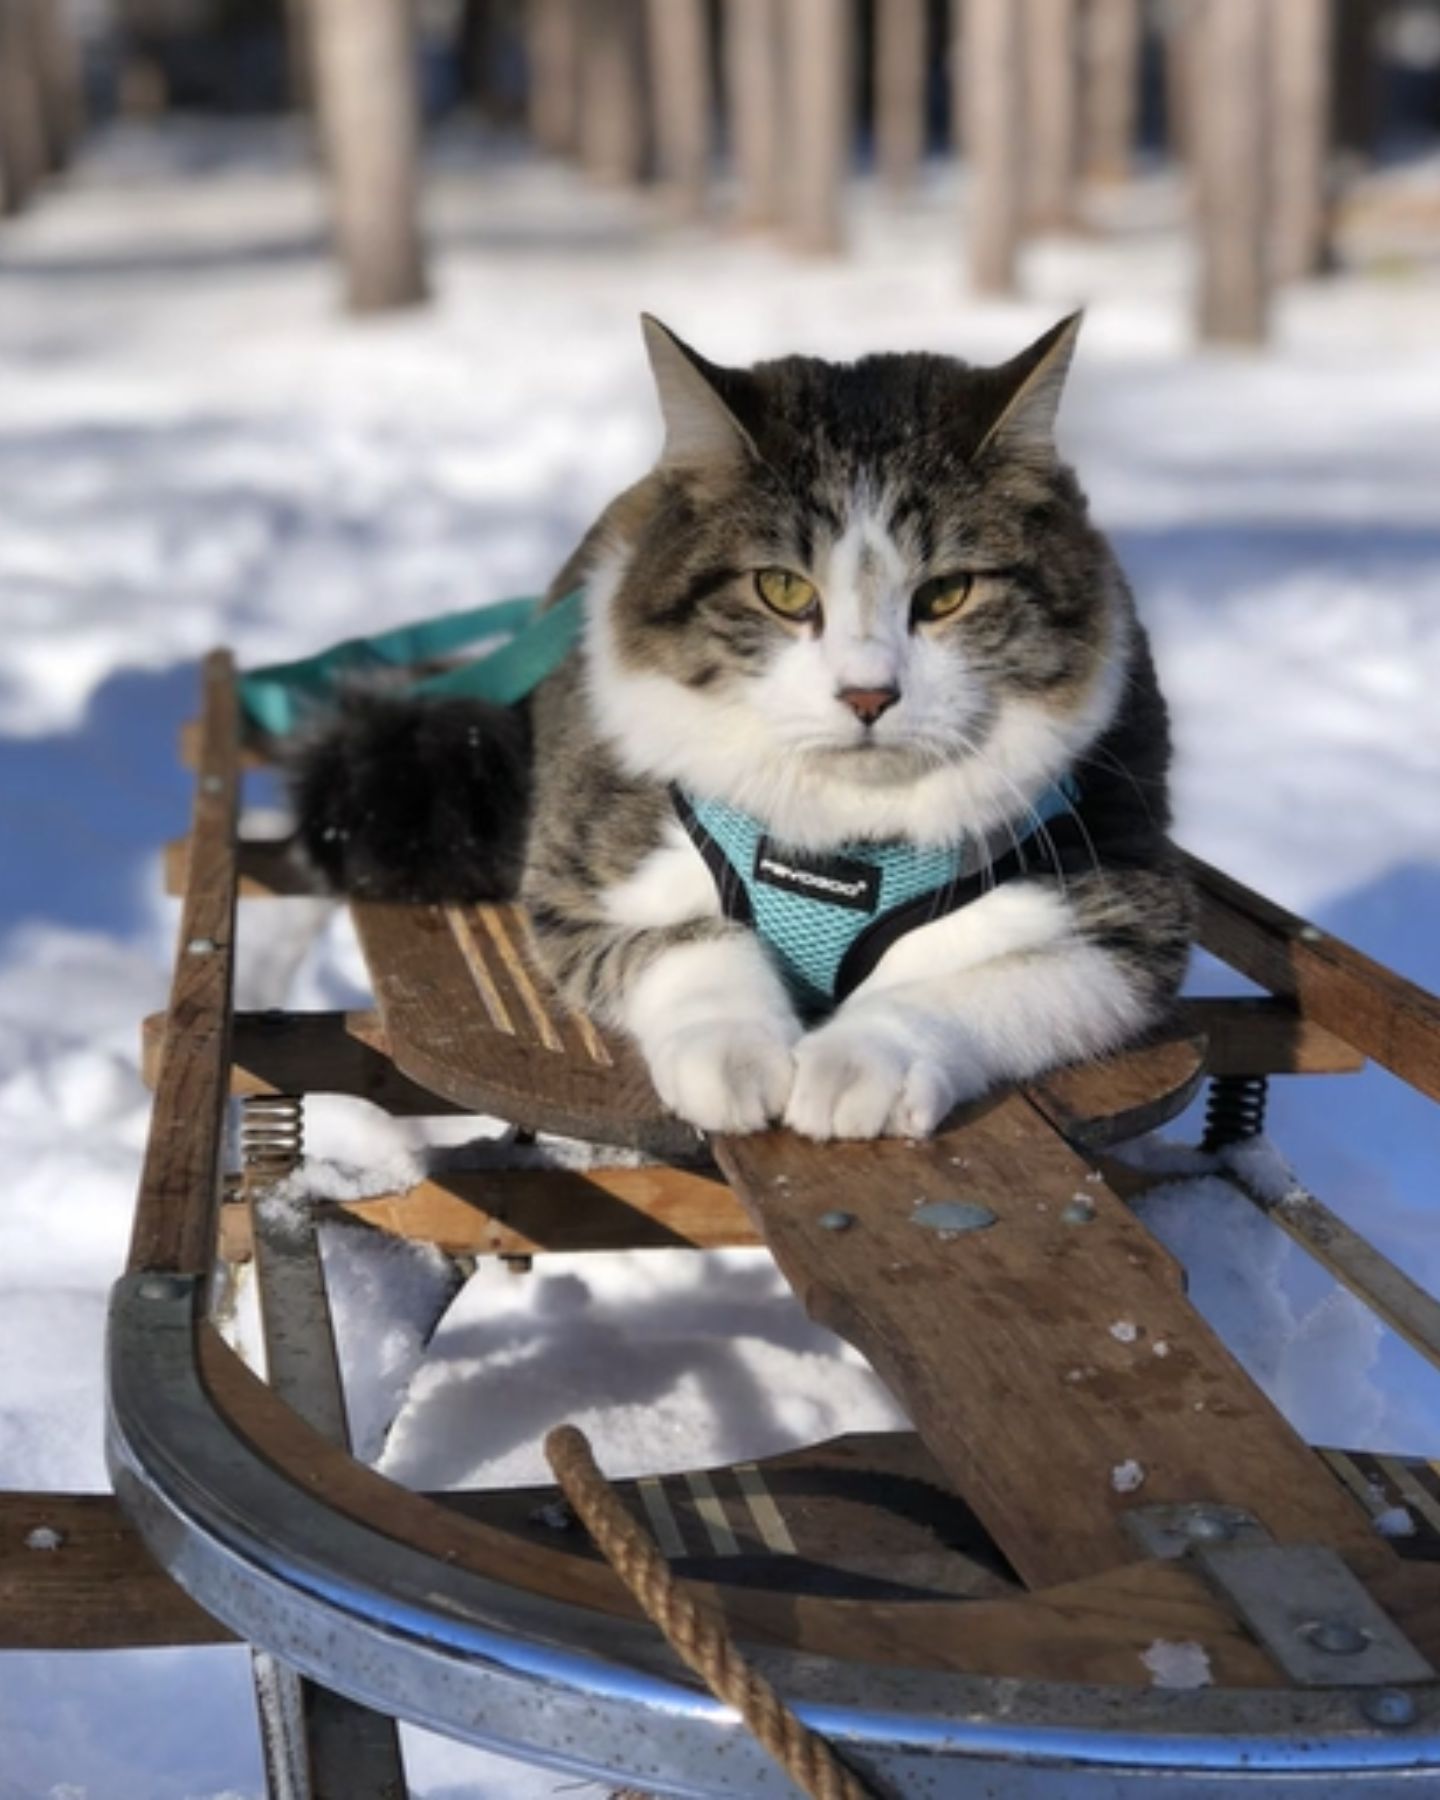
[978, 1607]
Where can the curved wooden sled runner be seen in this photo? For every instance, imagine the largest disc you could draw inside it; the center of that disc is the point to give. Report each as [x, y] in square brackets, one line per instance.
[977, 1607]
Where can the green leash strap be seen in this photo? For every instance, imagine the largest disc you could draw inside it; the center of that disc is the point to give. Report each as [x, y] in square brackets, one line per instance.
[277, 698]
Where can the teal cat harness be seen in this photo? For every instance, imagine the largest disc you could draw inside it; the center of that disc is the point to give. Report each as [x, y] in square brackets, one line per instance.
[828, 919]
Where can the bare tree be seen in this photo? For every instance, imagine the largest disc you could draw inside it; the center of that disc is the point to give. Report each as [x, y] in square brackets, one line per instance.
[901, 71]
[991, 119]
[24, 153]
[1357, 77]
[680, 81]
[1231, 154]
[1112, 86]
[56, 56]
[1052, 100]
[1300, 107]
[553, 43]
[1177, 36]
[753, 99]
[366, 95]
[819, 61]
[300, 54]
[613, 130]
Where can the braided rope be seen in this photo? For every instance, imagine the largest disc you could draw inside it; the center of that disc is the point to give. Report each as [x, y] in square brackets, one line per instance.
[696, 1635]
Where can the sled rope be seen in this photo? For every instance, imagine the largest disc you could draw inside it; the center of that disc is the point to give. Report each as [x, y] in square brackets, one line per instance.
[697, 1636]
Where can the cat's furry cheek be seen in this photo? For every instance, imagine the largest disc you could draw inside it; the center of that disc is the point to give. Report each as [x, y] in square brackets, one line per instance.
[717, 1032]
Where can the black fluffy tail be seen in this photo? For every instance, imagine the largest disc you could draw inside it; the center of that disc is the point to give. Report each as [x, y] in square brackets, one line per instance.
[401, 799]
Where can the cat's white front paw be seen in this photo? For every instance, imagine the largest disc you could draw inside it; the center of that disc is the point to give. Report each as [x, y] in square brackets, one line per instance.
[727, 1075]
[855, 1082]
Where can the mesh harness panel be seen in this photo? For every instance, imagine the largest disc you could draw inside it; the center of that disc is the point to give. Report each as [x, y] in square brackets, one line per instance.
[828, 919]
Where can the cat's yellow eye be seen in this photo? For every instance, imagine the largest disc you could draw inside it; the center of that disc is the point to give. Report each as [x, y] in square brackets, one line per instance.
[786, 593]
[941, 598]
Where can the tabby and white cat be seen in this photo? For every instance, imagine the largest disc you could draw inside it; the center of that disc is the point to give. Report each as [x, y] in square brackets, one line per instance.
[852, 802]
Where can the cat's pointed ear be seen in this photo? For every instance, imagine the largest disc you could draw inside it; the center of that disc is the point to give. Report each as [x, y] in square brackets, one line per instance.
[699, 425]
[1030, 388]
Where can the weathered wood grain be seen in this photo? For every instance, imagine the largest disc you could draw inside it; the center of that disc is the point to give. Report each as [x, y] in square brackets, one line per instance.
[1040, 1355]
[266, 868]
[524, 1212]
[462, 1022]
[175, 1216]
[1096, 1629]
[95, 1588]
[1266, 1037]
[311, 1053]
[1097, 1104]
[1379, 1012]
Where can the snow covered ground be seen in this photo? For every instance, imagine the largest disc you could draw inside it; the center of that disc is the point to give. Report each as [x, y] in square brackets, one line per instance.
[194, 449]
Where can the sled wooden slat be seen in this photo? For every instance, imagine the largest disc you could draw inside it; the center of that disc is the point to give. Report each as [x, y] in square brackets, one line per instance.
[1389, 1018]
[1102, 1103]
[462, 1021]
[523, 1212]
[1028, 1353]
[311, 1053]
[267, 868]
[1097, 1629]
[175, 1219]
[464, 1014]
[1266, 1037]
[97, 1588]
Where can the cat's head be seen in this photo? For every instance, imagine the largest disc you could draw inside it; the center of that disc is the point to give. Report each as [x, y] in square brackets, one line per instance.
[860, 598]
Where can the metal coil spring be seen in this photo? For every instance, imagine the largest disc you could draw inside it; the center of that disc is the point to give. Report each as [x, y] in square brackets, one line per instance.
[272, 1133]
[1234, 1111]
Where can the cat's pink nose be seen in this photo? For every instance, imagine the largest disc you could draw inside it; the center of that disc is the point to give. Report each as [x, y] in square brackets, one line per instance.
[867, 704]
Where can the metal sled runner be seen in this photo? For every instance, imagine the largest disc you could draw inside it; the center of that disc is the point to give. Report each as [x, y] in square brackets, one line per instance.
[979, 1607]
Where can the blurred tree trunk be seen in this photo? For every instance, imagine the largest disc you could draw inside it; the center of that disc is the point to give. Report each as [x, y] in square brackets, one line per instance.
[992, 99]
[680, 82]
[1300, 106]
[1052, 101]
[613, 134]
[486, 34]
[57, 62]
[1231, 155]
[553, 43]
[300, 54]
[1112, 86]
[1177, 22]
[144, 26]
[819, 62]
[23, 147]
[901, 71]
[1357, 76]
[753, 101]
[955, 75]
[366, 95]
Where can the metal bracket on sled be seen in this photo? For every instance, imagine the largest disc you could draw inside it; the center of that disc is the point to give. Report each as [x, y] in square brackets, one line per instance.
[1302, 1602]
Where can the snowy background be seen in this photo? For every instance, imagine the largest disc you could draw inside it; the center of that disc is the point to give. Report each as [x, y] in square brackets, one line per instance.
[194, 449]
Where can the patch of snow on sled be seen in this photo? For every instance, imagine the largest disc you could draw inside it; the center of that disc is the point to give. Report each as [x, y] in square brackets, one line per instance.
[667, 1359]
